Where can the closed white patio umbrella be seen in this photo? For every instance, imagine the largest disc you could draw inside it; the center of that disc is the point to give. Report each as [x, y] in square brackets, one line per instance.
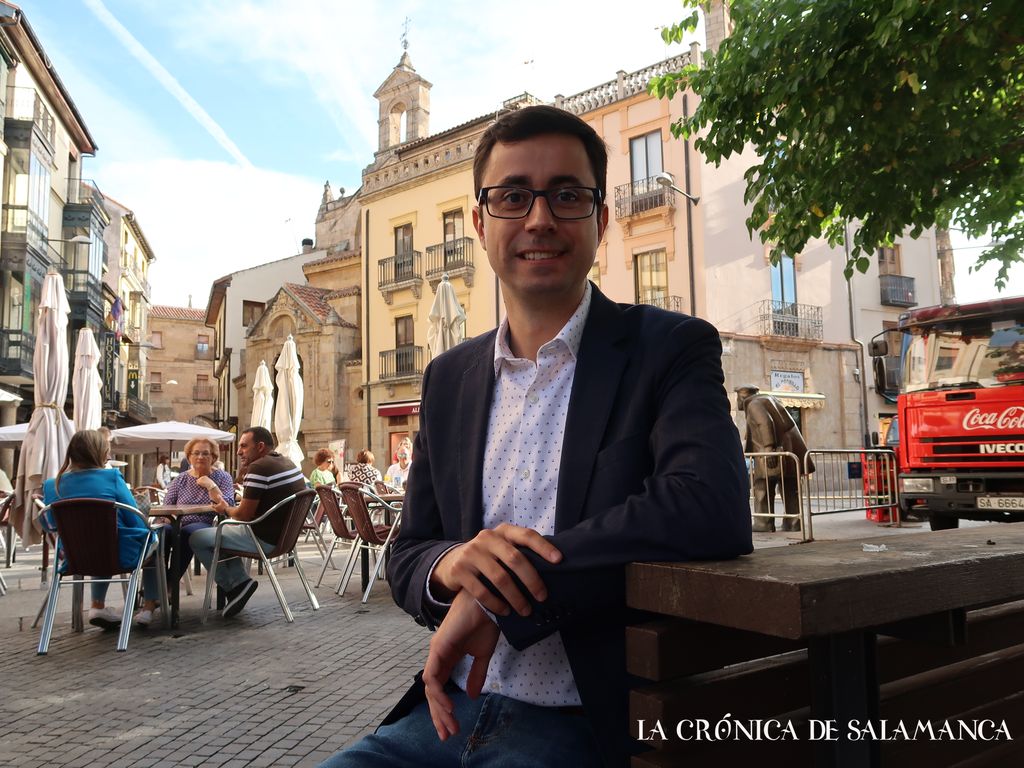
[262, 398]
[288, 408]
[447, 319]
[86, 385]
[49, 430]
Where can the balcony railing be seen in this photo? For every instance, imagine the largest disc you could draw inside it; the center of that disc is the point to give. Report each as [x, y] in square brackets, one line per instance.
[16, 348]
[205, 354]
[403, 270]
[897, 291]
[203, 392]
[84, 192]
[139, 409]
[671, 303]
[401, 362]
[796, 321]
[83, 288]
[25, 104]
[454, 257]
[640, 197]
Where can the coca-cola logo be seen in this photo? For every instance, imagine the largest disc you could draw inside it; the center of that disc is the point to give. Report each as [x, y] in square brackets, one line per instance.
[1011, 418]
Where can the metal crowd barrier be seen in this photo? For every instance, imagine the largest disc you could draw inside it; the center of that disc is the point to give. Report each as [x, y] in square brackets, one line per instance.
[843, 480]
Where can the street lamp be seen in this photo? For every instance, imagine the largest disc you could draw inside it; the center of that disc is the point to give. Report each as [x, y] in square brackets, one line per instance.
[77, 240]
[665, 179]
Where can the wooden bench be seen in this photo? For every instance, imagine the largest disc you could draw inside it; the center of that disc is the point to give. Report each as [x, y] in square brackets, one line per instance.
[931, 629]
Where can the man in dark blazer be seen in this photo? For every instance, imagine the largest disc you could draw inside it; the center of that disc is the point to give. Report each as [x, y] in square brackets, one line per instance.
[643, 462]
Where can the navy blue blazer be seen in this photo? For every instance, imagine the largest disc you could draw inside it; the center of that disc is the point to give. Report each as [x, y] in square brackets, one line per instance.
[651, 470]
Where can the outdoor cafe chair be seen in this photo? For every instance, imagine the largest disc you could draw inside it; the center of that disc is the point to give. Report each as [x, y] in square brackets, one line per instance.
[383, 489]
[5, 520]
[297, 505]
[334, 509]
[86, 545]
[372, 538]
[314, 525]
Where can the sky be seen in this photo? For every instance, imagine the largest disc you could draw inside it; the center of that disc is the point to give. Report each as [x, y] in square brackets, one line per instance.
[219, 121]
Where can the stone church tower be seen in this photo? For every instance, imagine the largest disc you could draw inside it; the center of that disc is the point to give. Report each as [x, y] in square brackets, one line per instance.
[404, 100]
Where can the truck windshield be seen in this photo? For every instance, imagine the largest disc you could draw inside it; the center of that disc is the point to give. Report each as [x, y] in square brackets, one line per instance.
[987, 355]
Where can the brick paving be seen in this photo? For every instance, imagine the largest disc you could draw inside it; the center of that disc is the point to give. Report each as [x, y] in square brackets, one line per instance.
[250, 691]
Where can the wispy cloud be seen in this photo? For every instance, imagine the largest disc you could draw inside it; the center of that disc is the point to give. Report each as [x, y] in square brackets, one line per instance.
[167, 80]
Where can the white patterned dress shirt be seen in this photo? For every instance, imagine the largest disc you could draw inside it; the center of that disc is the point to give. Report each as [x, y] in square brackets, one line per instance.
[520, 484]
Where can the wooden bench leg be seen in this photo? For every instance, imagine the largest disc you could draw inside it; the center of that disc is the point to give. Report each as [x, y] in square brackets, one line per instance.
[844, 688]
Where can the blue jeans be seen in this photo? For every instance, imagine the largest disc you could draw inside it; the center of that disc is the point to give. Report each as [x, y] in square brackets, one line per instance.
[494, 732]
[230, 573]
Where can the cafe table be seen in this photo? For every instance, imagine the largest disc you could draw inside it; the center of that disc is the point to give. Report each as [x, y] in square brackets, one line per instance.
[174, 513]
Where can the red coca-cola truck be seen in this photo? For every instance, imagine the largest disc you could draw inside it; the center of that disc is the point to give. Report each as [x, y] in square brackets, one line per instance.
[961, 410]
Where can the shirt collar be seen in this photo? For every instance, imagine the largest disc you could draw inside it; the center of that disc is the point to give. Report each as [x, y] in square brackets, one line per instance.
[571, 334]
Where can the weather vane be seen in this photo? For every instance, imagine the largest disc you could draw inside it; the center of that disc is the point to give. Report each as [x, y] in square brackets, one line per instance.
[405, 34]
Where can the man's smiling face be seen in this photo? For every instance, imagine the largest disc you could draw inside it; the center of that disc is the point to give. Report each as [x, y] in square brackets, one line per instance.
[540, 257]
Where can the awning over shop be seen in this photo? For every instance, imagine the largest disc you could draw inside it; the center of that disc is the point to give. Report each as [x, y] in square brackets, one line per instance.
[399, 408]
[799, 399]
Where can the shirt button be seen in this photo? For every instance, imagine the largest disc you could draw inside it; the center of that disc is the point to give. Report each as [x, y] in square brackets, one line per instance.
[495, 687]
[532, 397]
[526, 474]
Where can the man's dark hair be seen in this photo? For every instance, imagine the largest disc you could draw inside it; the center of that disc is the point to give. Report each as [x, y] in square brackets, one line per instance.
[525, 123]
[260, 435]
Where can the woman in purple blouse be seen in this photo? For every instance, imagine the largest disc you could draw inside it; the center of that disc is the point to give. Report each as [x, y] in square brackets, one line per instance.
[200, 484]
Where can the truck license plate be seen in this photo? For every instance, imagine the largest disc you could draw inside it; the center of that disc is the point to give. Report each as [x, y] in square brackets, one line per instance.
[1001, 502]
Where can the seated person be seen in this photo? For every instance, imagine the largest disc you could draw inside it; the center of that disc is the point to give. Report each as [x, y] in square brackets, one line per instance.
[83, 476]
[363, 470]
[269, 478]
[398, 473]
[323, 472]
[200, 484]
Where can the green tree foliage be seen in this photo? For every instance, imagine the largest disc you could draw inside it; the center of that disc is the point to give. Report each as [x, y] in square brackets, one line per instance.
[892, 115]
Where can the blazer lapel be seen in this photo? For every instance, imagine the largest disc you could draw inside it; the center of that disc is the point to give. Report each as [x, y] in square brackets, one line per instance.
[602, 358]
[474, 407]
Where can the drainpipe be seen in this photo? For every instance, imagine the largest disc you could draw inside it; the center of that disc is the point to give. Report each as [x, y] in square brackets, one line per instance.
[366, 322]
[865, 429]
[689, 216]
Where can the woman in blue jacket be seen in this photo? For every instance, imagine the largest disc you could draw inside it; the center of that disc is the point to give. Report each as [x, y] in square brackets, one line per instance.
[83, 475]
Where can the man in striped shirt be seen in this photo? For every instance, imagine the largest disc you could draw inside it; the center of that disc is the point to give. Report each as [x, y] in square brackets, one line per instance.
[270, 478]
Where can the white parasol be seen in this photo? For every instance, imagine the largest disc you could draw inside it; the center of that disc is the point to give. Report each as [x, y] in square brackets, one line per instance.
[49, 429]
[262, 398]
[173, 434]
[288, 408]
[447, 319]
[86, 384]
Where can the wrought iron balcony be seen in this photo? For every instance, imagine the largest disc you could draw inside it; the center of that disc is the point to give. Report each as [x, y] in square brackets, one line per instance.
[205, 354]
[454, 257]
[400, 363]
[897, 291]
[83, 289]
[139, 409]
[642, 196]
[796, 321]
[16, 348]
[204, 392]
[403, 270]
[25, 104]
[671, 303]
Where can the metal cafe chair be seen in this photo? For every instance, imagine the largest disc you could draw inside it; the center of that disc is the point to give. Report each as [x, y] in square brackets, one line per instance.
[297, 508]
[86, 545]
[334, 509]
[372, 538]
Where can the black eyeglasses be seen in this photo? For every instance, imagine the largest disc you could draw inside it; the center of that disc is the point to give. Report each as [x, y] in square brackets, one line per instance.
[566, 203]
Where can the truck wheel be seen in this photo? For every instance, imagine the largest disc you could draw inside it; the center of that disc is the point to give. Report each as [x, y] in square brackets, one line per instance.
[943, 522]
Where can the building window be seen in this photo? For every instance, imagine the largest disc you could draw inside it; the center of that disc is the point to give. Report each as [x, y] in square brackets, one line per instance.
[650, 271]
[202, 344]
[156, 381]
[403, 253]
[404, 331]
[27, 199]
[157, 339]
[454, 232]
[595, 274]
[784, 313]
[251, 311]
[645, 156]
[890, 261]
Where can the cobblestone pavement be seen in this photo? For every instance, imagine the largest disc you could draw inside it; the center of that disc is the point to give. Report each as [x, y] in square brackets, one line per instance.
[248, 691]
